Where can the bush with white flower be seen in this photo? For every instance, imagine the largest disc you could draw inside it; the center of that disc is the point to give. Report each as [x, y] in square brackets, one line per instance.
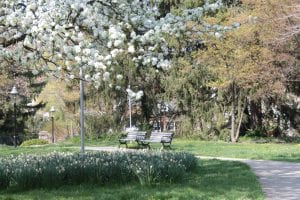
[56, 169]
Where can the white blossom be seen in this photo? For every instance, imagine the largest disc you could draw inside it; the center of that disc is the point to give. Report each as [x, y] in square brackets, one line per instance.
[114, 53]
[119, 77]
[106, 76]
[87, 77]
[131, 49]
[98, 35]
[118, 43]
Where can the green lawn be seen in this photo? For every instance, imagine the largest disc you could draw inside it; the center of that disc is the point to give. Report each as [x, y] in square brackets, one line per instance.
[269, 151]
[8, 150]
[213, 179]
[266, 151]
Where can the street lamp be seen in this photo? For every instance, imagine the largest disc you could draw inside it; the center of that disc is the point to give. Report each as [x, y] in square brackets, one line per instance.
[81, 88]
[129, 106]
[52, 110]
[14, 93]
[162, 108]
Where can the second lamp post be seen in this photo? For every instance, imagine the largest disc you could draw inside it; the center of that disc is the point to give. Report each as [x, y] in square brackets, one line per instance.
[52, 110]
[14, 93]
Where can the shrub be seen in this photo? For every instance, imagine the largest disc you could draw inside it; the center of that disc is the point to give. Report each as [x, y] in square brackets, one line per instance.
[156, 167]
[254, 133]
[97, 125]
[34, 142]
[56, 169]
[4, 174]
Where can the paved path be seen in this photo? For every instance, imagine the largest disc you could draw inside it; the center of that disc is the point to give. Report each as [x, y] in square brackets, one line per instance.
[104, 149]
[279, 180]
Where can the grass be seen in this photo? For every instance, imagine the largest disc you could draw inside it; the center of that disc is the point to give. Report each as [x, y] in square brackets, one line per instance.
[262, 151]
[266, 151]
[289, 152]
[43, 149]
[213, 179]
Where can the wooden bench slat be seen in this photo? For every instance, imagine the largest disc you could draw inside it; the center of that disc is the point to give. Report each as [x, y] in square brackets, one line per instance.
[132, 136]
[165, 138]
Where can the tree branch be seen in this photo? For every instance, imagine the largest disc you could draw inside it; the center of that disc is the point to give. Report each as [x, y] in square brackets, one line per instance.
[7, 43]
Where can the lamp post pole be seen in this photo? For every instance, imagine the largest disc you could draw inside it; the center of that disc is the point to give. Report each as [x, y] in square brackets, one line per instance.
[52, 110]
[15, 122]
[163, 109]
[14, 93]
[129, 108]
[81, 110]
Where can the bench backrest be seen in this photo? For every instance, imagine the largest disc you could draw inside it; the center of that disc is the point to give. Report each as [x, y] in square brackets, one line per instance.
[159, 136]
[136, 135]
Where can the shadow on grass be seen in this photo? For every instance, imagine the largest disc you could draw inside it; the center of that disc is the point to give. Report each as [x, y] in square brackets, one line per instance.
[213, 179]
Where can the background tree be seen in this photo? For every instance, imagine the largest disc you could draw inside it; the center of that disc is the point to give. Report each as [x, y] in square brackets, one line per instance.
[115, 43]
[28, 86]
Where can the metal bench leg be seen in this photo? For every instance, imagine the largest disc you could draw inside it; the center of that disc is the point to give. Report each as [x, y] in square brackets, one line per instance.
[147, 145]
[164, 146]
[140, 145]
[121, 144]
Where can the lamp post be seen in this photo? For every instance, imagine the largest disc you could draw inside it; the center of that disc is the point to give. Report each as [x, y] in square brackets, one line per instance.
[163, 108]
[81, 86]
[129, 107]
[132, 97]
[14, 93]
[52, 110]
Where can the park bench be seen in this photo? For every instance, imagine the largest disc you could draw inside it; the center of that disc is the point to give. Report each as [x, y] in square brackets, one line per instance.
[135, 136]
[165, 138]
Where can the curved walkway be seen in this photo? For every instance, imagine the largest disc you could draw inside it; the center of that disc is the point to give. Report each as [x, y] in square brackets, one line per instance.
[279, 180]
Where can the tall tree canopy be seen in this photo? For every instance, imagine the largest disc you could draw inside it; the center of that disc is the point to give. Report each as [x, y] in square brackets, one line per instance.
[148, 44]
[61, 36]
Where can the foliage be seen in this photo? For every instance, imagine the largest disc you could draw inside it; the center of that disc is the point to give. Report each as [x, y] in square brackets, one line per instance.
[132, 45]
[34, 142]
[78, 38]
[157, 168]
[223, 64]
[4, 175]
[56, 169]
[207, 181]
[28, 85]
[248, 148]
[100, 124]
[65, 102]
[254, 133]
[235, 81]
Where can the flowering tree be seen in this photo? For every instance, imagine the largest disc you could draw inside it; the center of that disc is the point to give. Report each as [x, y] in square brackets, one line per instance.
[99, 41]
[61, 36]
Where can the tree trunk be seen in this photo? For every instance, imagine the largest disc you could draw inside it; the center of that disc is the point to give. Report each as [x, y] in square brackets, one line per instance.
[255, 115]
[233, 138]
[240, 105]
[241, 113]
[232, 135]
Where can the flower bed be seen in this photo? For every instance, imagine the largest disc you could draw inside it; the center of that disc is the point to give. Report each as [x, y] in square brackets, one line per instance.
[56, 169]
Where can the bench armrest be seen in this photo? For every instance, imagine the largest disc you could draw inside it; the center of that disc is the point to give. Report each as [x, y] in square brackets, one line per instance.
[166, 139]
[123, 135]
